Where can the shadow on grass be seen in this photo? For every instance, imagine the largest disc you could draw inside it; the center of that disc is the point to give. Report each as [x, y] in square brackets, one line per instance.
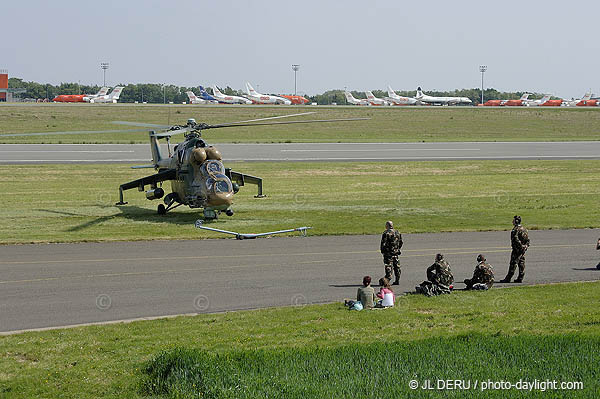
[133, 213]
[597, 268]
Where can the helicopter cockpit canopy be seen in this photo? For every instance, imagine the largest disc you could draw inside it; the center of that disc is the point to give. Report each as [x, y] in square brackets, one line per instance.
[219, 184]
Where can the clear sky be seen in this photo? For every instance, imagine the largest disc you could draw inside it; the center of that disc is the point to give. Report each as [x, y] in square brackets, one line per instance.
[543, 46]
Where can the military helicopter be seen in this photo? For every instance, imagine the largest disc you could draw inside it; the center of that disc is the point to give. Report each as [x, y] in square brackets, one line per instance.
[195, 168]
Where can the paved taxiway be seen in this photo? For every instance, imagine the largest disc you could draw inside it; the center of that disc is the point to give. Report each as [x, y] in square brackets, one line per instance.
[65, 284]
[140, 153]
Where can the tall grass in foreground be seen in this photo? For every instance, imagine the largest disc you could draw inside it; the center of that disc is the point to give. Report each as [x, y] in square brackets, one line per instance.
[381, 370]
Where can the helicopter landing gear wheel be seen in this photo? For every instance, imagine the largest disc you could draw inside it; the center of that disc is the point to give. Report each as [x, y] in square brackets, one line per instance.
[161, 209]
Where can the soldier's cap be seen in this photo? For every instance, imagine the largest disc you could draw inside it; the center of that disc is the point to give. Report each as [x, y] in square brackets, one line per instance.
[439, 257]
[517, 218]
[480, 258]
[390, 224]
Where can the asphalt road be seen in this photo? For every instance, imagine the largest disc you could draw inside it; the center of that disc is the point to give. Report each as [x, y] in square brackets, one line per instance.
[65, 284]
[140, 153]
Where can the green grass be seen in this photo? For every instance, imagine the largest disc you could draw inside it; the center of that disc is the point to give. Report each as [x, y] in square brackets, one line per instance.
[556, 327]
[382, 369]
[68, 203]
[389, 124]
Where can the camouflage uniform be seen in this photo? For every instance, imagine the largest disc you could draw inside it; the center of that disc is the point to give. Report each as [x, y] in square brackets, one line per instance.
[440, 279]
[483, 274]
[391, 242]
[520, 242]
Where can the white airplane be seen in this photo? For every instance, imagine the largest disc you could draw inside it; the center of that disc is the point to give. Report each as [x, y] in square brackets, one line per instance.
[194, 99]
[395, 99]
[103, 91]
[424, 98]
[374, 100]
[258, 98]
[582, 101]
[222, 98]
[536, 103]
[354, 101]
[113, 97]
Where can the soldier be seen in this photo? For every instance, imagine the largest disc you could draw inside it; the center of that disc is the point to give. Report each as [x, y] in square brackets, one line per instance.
[483, 275]
[439, 278]
[391, 242]
[597, 248]
[519, 241]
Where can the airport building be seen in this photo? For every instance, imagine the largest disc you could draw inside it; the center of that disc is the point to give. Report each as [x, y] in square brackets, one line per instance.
[6, 94]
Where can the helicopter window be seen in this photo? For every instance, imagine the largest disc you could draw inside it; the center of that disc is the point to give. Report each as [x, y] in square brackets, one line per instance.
[214, 167]
[222, 186]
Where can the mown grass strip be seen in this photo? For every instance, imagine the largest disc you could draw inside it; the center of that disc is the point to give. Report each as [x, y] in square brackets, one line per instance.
[387, 124]
[69, 203]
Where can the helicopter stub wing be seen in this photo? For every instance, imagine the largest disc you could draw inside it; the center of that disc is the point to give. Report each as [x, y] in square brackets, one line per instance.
[151, 180]
[241, 179]
[241, 236]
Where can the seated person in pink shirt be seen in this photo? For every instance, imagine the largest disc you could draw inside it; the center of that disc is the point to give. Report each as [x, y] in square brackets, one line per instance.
[385, 294]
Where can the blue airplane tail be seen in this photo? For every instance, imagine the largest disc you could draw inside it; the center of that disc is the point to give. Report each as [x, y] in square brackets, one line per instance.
[204, 95]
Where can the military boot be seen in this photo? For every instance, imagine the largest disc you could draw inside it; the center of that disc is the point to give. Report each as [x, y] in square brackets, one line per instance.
[519, 279]
[506, 279]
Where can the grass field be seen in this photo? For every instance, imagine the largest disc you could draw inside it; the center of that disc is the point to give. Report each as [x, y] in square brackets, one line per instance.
[65, 203]
[544, 332]
[389, 124]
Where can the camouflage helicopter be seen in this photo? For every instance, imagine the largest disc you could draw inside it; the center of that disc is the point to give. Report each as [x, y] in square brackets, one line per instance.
[195, 168]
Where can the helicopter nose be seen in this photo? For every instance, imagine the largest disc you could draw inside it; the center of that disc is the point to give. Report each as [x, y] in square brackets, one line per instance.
[220, 199]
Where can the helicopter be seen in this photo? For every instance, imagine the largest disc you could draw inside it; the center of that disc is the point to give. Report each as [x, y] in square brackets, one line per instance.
[195, 169]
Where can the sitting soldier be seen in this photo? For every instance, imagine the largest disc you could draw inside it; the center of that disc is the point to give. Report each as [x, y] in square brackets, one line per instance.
[439, 278]
[483, 275]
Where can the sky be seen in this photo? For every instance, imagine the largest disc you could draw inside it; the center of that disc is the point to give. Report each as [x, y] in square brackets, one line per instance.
[541, 46]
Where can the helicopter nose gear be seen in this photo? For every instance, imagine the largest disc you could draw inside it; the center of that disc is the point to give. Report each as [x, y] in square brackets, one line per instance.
[210, 214]
[161, 209]
[229, 212]
[155, 193]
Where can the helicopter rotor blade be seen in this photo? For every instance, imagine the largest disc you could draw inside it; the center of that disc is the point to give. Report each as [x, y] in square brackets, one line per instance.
[72, 132]
[140, 124]
[170, 133]
[286, 123]
[264, 119]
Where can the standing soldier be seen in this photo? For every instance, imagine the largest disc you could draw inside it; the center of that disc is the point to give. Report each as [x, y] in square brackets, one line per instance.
[519, 241]
[483, 275]
[391, 242]
[598, 248]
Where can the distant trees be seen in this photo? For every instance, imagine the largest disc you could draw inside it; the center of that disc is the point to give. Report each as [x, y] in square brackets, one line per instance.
[157, 93]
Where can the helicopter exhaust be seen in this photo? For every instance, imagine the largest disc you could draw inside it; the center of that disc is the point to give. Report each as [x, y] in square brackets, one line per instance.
[155, 193]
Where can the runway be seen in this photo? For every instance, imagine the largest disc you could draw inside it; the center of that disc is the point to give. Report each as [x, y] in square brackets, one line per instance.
[65, 284]
[315, 152]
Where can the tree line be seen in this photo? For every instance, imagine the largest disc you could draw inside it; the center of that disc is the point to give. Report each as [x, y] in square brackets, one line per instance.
[158, 94]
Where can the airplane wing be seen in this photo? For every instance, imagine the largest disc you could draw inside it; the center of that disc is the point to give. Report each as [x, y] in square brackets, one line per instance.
[241, 236]
[168, 174]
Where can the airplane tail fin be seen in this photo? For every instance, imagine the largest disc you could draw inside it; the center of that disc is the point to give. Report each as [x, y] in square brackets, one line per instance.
[191, 96]
[216, 91]
[250, 89]
[419, 92]
[545, 98]
[349, 96]
[391, 92]
[370, 95]
[202, 91]
[587, 96]
[103, 91]
[116, 93]
[524, 96]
